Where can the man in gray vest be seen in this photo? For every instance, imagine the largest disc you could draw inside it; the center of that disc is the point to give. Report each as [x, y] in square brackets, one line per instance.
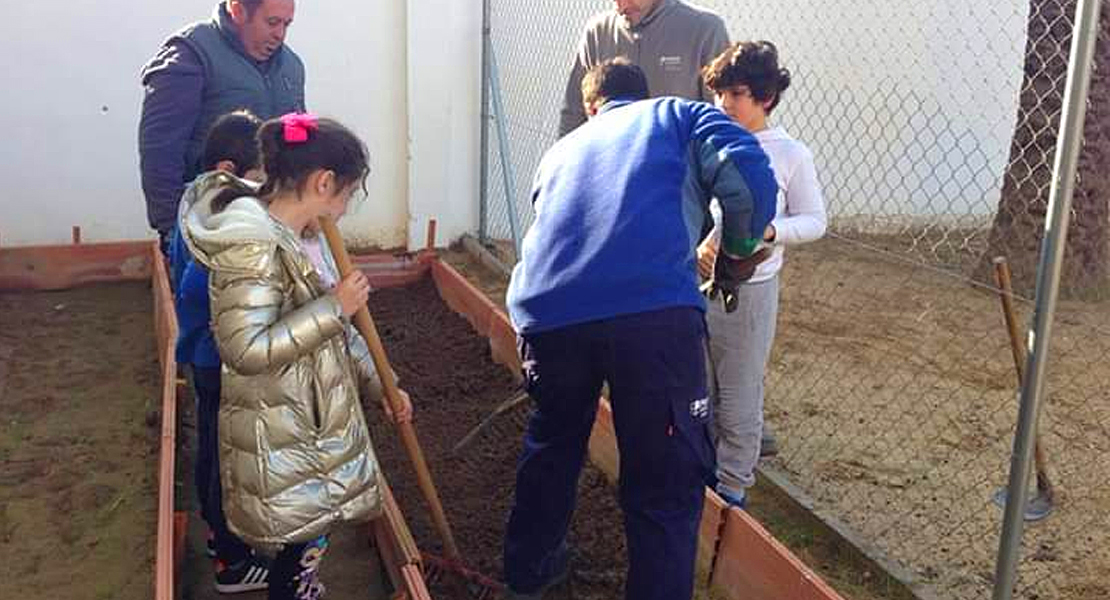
[669, 40]
[238, 59]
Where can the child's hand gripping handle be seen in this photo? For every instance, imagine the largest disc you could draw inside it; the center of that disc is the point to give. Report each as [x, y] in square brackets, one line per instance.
[365, 325]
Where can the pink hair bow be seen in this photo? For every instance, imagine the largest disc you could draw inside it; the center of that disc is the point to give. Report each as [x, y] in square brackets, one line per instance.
[297, 126]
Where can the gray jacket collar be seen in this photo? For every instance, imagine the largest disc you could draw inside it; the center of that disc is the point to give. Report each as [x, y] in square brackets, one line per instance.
[661, 7]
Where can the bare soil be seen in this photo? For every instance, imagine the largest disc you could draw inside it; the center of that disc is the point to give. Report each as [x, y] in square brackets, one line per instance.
[78, 443]
[892, 389]
[835, 559]
[446, 368]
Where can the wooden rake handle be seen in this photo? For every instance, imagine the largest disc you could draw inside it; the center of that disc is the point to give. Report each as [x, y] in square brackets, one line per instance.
[1006, 294]
[365, 325]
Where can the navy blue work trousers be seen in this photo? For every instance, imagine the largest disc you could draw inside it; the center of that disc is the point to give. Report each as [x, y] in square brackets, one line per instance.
[654, 364]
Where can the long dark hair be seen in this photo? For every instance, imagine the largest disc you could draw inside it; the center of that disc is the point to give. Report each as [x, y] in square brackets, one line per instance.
[288, 164]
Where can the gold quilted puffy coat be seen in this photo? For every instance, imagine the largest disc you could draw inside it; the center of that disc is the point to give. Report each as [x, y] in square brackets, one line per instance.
[295, 452]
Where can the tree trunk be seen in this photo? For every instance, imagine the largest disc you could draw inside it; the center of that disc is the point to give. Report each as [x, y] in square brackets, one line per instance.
[1019, 223]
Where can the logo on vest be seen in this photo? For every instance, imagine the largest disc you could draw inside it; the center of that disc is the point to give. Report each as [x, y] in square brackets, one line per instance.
[670, 63]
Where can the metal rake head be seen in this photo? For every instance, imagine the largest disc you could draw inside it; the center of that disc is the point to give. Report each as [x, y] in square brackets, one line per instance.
[508, 419]
[439, 570]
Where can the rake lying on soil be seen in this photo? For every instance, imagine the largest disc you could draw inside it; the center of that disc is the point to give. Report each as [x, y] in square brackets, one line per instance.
[477, 585]
[506, 411]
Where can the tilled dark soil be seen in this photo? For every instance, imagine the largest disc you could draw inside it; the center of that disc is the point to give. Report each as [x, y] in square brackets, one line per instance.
[446, 368]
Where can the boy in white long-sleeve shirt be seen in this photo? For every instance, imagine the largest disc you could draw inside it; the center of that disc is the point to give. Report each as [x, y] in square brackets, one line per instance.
[748, 84]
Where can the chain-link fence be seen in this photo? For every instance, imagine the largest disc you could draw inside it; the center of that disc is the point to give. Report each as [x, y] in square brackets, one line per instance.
[891, 385]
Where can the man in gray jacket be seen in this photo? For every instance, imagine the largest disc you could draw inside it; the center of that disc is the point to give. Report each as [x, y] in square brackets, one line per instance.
[669, 40]
[235, 60]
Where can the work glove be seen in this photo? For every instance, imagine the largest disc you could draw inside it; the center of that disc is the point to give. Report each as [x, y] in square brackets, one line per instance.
[728, 273]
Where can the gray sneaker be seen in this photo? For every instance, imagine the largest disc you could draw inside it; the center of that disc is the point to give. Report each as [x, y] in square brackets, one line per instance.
[769, 445]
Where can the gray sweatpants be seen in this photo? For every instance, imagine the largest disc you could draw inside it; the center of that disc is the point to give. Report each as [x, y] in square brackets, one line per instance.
[739, 346]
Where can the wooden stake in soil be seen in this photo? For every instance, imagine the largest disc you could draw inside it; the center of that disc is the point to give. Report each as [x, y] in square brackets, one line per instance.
[430, 242]
[365, 325]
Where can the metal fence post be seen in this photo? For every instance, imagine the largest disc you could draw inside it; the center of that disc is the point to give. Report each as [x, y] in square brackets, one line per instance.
[483, 177]
[507, 174]
[1048, 285]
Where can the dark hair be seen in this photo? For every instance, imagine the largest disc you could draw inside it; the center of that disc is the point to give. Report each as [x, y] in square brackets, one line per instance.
[612, 79]
[232, 137]
[288, 165]
[752, 64]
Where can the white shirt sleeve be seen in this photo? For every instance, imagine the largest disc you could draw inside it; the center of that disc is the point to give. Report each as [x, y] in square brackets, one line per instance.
[804, 218]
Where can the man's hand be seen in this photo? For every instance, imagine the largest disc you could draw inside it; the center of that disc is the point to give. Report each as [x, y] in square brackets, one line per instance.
[404, 412]
[352, 292]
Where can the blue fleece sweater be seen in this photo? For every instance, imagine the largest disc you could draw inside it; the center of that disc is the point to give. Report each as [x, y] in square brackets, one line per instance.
[195, 344]
[621, 204]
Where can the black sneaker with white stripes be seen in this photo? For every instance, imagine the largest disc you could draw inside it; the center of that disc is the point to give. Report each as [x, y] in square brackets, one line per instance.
[246, 576]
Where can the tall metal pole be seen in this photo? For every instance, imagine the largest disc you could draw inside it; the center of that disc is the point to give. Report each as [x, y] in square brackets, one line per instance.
[1048, 286]
[483, 178]
[507, 175]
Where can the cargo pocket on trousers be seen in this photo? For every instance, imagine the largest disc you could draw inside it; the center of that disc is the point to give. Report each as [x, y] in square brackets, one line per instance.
[695, 456]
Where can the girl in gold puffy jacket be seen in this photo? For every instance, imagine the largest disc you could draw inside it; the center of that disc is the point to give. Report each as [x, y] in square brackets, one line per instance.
[295, 451]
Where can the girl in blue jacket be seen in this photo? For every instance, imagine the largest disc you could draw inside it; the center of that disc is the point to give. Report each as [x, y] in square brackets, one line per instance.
[230, 147]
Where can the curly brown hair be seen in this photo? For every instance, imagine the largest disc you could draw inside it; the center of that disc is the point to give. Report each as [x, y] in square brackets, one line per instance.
[751, 64]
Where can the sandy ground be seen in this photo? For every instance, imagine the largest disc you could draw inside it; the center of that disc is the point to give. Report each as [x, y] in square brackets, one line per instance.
[78, 444]
[893, 391]
[79, 453]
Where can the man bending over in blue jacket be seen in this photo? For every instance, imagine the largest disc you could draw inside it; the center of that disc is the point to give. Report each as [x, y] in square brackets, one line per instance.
[606, 292]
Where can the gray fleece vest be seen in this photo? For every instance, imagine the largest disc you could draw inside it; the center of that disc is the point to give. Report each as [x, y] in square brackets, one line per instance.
[234, 81]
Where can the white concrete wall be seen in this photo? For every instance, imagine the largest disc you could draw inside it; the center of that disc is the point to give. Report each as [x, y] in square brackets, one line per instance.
[68, 131]
[354, 53]
[444, 69]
